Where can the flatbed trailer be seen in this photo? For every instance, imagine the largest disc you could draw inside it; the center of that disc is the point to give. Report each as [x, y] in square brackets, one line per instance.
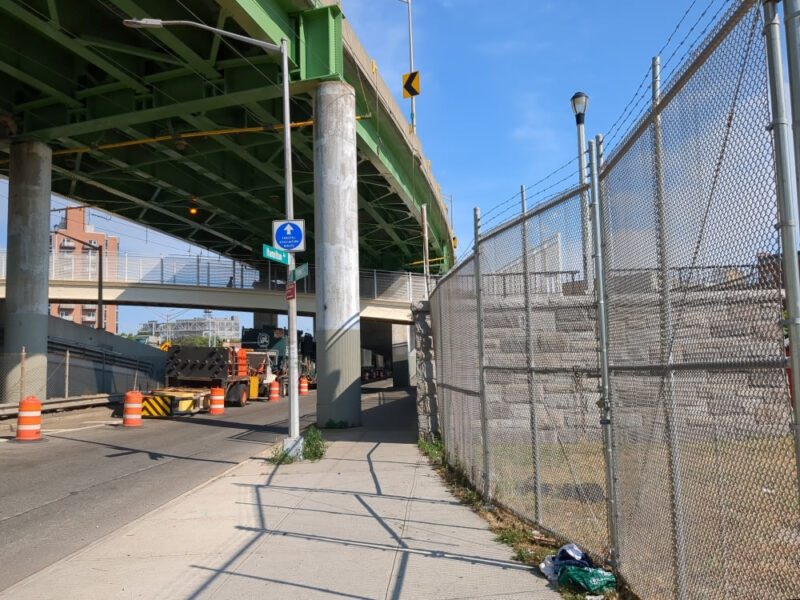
[192, 372]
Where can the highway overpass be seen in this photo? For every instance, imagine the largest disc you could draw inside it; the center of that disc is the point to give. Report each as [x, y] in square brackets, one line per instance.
[179, 130]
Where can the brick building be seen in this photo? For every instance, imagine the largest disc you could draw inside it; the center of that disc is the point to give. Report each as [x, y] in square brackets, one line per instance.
[75, 247]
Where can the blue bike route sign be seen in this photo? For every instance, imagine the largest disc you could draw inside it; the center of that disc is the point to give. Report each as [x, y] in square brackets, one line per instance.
[289, 235]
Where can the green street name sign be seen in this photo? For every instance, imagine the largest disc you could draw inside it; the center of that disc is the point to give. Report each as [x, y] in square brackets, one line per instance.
[279, 256]
[300, 272]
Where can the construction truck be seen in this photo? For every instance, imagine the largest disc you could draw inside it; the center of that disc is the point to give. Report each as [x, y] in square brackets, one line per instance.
[269, 338]
[192, 371]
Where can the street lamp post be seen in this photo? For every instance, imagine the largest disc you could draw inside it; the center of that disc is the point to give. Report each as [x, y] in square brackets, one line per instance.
[283, 49]
[579, 103]
[411, 69]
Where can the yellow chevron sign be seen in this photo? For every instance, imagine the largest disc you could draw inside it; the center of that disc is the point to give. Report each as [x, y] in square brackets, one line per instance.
[411, 84]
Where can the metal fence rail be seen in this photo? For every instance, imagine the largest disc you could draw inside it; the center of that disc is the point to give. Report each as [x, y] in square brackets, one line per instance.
[391, 286]
[675, 461]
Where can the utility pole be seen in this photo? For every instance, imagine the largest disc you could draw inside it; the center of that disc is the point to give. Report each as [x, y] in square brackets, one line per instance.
[411, 64]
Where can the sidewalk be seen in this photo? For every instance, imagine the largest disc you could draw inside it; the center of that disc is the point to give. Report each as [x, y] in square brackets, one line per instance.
[370, 520]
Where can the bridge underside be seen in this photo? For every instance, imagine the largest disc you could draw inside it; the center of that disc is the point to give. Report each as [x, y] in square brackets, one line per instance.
[176, 128]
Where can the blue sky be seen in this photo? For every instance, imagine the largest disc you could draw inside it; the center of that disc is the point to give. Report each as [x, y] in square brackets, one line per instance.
[496, 79]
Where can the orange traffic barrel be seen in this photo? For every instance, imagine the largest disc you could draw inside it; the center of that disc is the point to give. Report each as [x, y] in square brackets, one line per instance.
[303, 386]
[132, 409]
[217, 402]
[274, 391]
[29, 419]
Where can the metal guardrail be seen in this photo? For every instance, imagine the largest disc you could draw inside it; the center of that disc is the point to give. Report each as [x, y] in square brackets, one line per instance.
[391, 286]
[10, 410]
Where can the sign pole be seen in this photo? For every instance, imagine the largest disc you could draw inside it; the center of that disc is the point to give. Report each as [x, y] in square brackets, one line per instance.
[294, 405]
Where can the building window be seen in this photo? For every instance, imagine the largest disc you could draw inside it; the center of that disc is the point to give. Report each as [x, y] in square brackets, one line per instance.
[65, 314]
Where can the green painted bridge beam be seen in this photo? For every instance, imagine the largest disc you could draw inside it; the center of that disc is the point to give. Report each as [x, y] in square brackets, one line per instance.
[401, 169]
[265, 20]
[168, 38]
[51, 30]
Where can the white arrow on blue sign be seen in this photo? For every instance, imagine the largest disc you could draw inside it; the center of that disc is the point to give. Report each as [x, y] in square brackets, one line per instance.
[289, 235]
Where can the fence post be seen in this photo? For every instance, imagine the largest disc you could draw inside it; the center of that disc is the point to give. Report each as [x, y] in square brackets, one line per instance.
[208, 274]
[22, 375]
[526, 286]
[786, 192]
[66, 375]
[126, 267]
[426, 268]
[487, 479]
[162, 269]
[666, 333]
[410, 287]
[374, 284]
[198, 270]
[607, 415]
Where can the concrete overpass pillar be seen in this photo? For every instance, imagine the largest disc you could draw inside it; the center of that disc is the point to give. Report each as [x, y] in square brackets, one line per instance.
[261, 318]
[27, 268]
[404, 361]
[337, 322]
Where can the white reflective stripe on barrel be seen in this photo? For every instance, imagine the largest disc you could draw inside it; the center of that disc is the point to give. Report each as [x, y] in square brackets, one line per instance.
[28, 427]
[29, 413]
[132, 416]
[131, 405]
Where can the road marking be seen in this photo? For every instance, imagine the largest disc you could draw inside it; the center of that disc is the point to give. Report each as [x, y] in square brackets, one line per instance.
[46, 431]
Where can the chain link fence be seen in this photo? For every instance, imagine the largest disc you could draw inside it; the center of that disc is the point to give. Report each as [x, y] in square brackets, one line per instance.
[66, 373]
[697, 446]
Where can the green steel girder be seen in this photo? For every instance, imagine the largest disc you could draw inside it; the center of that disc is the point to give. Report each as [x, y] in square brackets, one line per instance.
[171, 41]
[78, 78]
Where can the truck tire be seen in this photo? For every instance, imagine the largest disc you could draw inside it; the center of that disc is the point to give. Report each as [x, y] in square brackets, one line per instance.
[238, 394]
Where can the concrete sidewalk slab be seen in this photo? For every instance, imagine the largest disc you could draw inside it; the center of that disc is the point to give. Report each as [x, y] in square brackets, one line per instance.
[372, 520]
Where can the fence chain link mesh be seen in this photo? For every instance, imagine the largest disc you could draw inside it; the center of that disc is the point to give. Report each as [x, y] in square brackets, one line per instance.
[702, 414]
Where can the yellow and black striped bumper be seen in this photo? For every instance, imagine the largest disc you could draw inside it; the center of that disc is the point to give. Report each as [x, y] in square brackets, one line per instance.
[157, 406]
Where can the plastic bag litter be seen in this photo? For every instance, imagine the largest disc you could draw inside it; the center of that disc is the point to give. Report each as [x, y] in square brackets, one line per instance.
[589, 580]
[546, 567]
[567, 555]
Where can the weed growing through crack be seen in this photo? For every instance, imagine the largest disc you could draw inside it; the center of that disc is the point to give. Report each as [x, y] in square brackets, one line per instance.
[281, 457]
[313, 444]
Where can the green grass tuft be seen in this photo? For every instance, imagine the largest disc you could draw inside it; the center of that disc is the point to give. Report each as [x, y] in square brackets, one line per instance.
[433, 450]
[313, 444]
[281, 457]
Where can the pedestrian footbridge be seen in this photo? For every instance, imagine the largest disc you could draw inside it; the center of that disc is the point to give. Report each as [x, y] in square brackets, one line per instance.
[214, 283]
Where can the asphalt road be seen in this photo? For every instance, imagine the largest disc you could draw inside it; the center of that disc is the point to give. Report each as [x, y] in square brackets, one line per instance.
[91, 475]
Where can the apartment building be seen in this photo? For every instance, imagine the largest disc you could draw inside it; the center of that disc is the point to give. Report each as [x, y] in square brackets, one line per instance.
[75, 249]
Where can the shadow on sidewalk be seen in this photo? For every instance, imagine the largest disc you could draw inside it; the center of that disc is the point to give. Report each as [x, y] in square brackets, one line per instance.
[389, 417]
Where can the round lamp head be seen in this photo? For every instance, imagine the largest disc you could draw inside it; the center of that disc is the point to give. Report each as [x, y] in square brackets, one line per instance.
[579, 103]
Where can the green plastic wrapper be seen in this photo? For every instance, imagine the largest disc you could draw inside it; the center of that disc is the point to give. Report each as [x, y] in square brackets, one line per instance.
[590, 580]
